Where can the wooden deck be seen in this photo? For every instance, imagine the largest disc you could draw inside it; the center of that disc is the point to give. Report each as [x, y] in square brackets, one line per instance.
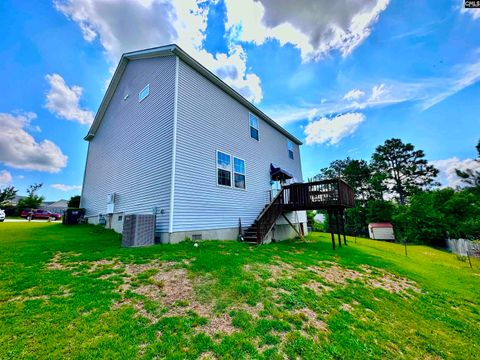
[333, 195]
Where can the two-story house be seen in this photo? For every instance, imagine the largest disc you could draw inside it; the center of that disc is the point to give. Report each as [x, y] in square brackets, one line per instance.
[171, 138]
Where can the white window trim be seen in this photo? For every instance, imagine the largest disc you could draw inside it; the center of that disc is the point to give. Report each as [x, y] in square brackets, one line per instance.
[146, 87]
[216, 169]
[256, 128]
[244, 173]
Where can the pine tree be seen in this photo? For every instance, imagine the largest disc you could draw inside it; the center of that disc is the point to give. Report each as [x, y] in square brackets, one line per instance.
[405, 170]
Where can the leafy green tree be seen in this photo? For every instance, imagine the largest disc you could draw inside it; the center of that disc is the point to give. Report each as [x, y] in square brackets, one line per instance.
[7, 195]
[471, 176]
[356, 220]
[32, 200]
[74, 202]
[356, 173]
[432, 216]
[334, 170]
[405, 170]
[379, 211]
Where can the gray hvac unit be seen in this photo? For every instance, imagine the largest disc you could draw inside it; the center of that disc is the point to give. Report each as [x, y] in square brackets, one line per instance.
[138, 230]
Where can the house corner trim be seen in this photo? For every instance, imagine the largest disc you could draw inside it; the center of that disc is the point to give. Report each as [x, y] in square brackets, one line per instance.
[174, 148]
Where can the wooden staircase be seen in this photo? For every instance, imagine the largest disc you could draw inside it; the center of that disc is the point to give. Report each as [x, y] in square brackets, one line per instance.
[260, 228]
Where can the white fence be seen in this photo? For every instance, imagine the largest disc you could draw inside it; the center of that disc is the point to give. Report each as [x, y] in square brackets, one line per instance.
[464, 247]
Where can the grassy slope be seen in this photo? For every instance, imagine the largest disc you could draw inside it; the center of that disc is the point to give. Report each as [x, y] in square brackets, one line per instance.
[441, 322]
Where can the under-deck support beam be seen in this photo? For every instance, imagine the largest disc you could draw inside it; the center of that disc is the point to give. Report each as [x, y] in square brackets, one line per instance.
[343, 226]
[337, 220]
[330, 225]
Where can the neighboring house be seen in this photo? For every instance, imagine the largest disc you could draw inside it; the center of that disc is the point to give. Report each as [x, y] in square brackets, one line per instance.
[173, 139]
[15, 200]
[56, 206]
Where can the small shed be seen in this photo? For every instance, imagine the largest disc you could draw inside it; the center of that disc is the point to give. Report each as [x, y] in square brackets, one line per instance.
[381, 231]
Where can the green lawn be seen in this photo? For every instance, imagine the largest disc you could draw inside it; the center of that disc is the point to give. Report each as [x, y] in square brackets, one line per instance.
[74, 292]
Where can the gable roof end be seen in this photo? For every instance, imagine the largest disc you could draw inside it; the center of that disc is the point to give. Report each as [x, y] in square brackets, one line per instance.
[176, 50]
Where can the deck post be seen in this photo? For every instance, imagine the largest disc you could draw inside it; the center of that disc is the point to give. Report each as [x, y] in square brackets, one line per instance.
[343, 226]
[330, 225]
[337, 220]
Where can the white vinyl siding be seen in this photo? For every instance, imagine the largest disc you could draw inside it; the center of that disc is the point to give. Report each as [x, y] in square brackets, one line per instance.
[210, 120]
[131, 153]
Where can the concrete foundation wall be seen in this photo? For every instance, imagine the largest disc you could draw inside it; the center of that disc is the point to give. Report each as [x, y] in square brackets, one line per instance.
[281, 231]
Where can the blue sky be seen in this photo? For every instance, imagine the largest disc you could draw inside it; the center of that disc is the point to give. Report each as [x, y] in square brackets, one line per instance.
[342, 76]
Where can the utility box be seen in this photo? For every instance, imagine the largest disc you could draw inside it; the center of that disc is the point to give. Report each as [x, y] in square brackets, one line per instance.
[72, 216]
[138, 230]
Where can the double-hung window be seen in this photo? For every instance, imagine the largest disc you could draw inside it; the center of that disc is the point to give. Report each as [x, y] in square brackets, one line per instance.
[253, 120]
[290, 149]
[224, 169]
[239, 173]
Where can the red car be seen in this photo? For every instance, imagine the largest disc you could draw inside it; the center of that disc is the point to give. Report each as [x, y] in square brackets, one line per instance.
[40, 214]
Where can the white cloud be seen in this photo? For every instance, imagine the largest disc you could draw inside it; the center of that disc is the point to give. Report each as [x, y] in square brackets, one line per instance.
[377, 92]
[447, 175]
[158, 22]
[66, 188]
[462, 76]
[64, 101]
[354, 94]
[332, 130]
[316, 27]
[5, 178]
[20, 150]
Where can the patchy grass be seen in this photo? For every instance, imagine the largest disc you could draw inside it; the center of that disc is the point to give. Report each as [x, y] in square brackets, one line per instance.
[73, 292]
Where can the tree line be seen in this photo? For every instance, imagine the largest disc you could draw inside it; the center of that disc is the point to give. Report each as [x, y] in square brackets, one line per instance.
[398, 185]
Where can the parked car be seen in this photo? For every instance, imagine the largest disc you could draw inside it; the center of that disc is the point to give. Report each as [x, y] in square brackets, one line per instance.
[2, 215]
[40, 214]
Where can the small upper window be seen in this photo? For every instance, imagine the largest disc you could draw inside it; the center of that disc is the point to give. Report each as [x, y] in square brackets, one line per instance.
[290, 149]
[239, 173]
[224, 169]
[144, 93]
[253, 126]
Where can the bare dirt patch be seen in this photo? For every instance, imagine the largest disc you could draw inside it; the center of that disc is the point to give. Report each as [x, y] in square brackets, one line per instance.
[393, 284]
[65, 292]
[56, 262]
[317, 287]
[373, 277]
[346, 307]
[335, 274]
[311, 318]
[173, 289]
[209, 355]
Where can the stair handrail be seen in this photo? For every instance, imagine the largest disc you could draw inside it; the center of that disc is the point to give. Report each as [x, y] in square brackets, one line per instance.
[276, 204]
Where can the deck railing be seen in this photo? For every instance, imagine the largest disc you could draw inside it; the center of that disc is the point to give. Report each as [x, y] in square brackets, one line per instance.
[319, 194]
